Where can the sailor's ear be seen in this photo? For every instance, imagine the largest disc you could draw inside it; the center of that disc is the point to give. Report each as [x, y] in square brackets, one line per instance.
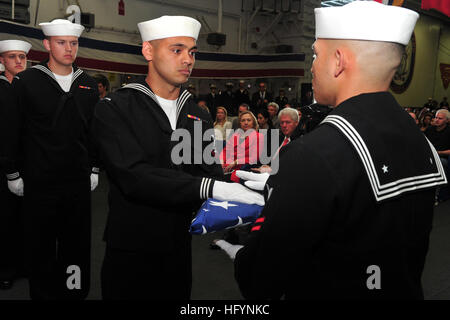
[46, 43]
[147, 50]
[341, 61]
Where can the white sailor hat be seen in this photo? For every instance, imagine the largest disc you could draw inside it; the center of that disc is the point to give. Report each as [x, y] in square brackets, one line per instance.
[366, 20]
[169, 26]
[14, 45]
[61, 27]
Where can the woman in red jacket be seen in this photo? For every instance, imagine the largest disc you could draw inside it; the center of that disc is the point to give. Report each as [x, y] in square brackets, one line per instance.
[244, 146]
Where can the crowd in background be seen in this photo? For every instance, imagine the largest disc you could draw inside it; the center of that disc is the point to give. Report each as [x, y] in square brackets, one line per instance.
[433, 120]
[239, 109]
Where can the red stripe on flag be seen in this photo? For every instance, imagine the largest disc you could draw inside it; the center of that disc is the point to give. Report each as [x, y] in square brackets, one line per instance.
[256, 228]
[260, 220]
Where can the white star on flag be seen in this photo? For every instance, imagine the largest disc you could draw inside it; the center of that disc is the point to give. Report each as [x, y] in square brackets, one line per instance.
[223, 204]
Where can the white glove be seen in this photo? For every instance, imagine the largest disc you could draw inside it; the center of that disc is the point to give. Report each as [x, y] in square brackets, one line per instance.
[230, 249]
[94, 181]
[255, 181]
[16, 187]
[225, 191]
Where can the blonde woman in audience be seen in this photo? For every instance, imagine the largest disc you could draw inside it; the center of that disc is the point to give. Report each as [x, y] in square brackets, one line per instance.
[221, 125]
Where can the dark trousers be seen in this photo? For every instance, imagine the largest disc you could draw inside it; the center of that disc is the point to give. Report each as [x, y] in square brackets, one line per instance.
[58, 239]
[128, 275]
[11, 234]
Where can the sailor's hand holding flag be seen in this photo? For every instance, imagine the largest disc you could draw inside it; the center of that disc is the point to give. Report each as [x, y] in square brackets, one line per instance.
[255, 181]
[226, 191]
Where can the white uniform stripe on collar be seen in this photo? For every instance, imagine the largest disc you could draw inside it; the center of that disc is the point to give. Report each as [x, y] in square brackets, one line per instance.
[180, 101]
[45, 70]
[4, 78]
[391, 189]
[182, 96]
[76, 75]
[143, 89]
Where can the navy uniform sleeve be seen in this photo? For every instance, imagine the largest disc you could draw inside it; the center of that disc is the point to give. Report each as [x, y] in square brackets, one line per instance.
[12, 131]
[92, 141]
[5, 97]
[293, 222]
[126, 164]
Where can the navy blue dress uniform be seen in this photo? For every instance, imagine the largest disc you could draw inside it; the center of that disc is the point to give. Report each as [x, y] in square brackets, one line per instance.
[10, 240]
[50, 147]
[363, 196]
[241, 96]
[350, 211]
[151, 199]
[212, 101]
[227, 99]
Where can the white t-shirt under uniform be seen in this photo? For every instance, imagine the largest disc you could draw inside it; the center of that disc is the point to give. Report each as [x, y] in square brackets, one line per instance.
[64, 81]
[170, 108]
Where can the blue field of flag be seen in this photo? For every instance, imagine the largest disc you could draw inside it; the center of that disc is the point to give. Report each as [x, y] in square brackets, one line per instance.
[215, 215]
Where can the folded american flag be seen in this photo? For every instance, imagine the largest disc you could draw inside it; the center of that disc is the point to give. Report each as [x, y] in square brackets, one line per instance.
[216, 215]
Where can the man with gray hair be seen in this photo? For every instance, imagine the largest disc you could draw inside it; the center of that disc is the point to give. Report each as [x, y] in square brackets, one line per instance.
[288, 119]
[345, 217]
[273, 108]
[439, 136]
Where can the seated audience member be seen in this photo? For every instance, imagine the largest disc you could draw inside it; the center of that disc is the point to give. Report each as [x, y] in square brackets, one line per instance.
[439, 136]
[264, 120]
[273, 108]
[244, 146]
[413, 115]
[222, 125]
[425, 121]
[289, 120]
[265, 123]
[242, 107]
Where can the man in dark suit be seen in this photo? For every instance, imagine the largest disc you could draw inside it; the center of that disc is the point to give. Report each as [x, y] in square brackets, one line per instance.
[261, 98]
